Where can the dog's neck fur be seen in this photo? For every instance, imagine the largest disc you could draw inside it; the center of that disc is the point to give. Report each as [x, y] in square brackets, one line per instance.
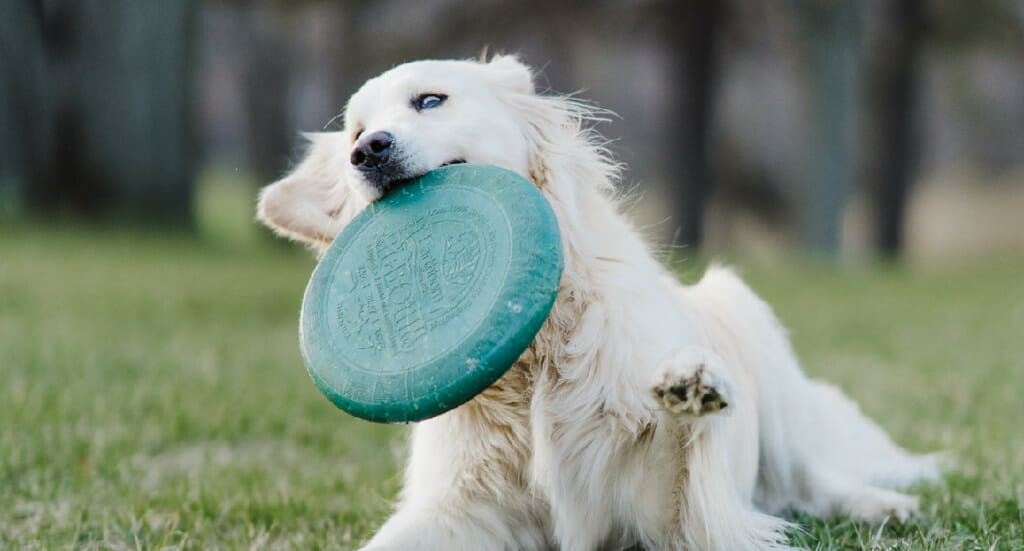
[598, 245]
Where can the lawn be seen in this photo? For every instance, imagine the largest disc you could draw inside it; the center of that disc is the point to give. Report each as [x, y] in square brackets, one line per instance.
[152, 395]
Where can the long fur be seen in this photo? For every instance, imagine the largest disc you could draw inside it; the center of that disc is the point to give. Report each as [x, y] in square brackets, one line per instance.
[575, 448]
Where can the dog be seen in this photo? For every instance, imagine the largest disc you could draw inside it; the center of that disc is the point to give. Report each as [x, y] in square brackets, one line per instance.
[645, 414]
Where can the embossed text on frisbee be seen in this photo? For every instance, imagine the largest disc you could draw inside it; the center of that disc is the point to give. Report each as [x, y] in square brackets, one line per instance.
[417, 278]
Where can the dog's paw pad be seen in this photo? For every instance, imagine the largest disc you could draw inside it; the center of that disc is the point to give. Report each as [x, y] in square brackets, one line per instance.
[690, 381]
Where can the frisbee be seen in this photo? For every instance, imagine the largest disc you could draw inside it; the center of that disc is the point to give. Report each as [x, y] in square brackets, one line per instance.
[431, 294]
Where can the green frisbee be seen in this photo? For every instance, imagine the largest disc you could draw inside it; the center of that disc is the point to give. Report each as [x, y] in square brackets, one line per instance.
[431, 294]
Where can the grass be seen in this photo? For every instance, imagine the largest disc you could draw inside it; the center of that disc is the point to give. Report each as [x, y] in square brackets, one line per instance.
[152, 395]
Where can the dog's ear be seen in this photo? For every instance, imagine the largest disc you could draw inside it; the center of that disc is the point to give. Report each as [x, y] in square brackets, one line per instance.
[313, 202]
[509, 72]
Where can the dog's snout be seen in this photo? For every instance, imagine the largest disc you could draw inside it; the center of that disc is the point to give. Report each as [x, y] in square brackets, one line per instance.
[372, 151]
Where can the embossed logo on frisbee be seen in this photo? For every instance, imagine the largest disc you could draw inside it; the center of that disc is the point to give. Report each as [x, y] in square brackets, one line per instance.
[418, 277]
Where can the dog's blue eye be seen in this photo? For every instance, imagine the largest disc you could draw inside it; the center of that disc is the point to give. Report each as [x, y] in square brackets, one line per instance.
[426, 101]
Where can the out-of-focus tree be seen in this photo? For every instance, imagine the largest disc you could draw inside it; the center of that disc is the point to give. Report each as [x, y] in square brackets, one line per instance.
[23, 114]
[899, 32]
[266, 79]
[348, 70]
[984, 41]
[890, 139]
[691, 30]
[108, 96]
[828, 41]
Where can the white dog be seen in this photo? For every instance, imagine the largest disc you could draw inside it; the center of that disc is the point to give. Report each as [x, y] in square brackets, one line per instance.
[645, 413]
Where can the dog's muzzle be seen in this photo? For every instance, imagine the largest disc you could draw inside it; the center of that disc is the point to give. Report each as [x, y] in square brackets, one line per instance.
[378, 158]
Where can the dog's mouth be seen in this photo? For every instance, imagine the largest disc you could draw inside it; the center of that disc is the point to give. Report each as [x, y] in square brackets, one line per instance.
[384, 185]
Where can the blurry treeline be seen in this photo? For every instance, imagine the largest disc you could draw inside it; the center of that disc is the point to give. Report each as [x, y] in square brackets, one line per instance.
[737, 119]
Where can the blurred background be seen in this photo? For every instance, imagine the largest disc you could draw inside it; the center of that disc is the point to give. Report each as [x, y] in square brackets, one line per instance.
[861, 129]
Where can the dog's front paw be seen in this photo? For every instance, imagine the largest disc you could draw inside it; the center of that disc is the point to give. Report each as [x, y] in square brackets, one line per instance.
[692, 381]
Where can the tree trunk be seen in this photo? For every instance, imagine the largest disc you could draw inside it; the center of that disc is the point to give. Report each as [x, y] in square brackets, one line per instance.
[24, 114]
[890, 140]
[692, 31]
[114, 109]
[267, 77]
[829, 33]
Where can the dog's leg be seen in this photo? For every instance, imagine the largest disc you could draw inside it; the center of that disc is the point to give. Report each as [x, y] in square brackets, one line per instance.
[717, 455]
[684, 482]
[464, 485]
[454, 511]
[692, 381]
[827, 493]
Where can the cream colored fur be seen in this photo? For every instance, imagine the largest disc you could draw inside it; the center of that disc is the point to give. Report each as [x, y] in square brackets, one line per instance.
[645, 413]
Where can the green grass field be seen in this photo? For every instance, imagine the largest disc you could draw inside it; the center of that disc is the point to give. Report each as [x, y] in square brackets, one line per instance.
[152, 395]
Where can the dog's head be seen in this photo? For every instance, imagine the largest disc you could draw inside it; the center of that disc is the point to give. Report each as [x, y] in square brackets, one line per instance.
[398, 126]
[420, 116]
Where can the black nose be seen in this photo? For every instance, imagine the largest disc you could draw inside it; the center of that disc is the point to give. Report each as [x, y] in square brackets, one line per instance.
[372, 151]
